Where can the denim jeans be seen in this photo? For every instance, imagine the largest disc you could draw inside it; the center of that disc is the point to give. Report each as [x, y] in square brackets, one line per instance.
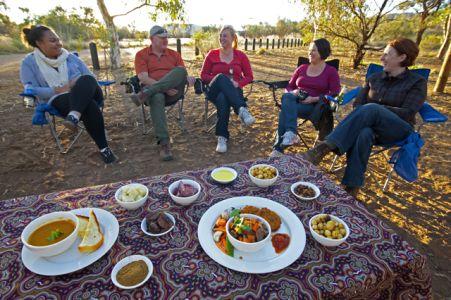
[224, 96]
[290, 111]
[368, 125]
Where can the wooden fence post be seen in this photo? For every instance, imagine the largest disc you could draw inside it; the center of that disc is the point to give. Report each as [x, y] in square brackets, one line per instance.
[253, 44]
[278, 43]
[267, 43]
[94, 56]
[179, 46]
[196, 51]
[260, 43]
[245, 45]
[283, 43]
[273, 41]
[291, 45]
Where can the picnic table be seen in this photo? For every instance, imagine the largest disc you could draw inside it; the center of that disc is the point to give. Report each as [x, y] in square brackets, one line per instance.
[373, 263]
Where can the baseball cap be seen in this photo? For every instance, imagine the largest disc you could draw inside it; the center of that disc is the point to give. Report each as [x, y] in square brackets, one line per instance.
[159, 31]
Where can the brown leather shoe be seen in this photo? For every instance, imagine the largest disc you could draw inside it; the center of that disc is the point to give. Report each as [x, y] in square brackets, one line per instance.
[165, 152]
[352, 190]
[317, 153]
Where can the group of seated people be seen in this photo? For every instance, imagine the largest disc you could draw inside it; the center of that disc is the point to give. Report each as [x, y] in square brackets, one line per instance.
[384, 110]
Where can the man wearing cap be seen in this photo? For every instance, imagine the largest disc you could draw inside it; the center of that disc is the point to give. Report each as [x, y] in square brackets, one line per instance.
[163, 73]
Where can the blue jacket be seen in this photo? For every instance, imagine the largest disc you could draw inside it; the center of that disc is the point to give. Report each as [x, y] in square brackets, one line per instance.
[405, 158]
[29, 72]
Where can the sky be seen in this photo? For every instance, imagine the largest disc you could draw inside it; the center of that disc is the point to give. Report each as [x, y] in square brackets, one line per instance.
[199, 12]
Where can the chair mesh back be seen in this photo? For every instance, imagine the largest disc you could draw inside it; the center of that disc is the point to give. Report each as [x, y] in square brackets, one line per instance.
[333, 62]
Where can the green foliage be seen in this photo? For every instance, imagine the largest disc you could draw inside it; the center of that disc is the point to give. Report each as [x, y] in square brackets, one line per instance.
[258, 30]
[205, 41]
[261, 51]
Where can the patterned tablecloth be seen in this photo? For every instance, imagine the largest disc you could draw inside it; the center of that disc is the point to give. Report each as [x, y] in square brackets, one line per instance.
[374, 263]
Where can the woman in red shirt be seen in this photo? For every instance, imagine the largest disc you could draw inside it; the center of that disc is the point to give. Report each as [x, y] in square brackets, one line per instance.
[227, 70]
[308, 86]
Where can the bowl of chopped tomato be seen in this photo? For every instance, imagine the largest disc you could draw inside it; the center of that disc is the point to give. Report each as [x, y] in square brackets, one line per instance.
[248, 232]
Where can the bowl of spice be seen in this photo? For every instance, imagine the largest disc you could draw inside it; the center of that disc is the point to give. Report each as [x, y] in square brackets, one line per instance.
[305, 190]
[131, 272]
[157, 223]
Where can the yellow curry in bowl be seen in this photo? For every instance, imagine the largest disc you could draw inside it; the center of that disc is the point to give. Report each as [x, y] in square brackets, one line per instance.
[51, 233]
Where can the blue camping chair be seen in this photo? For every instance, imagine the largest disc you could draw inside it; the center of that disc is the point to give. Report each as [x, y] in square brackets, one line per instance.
[428, 115]
[46, 114]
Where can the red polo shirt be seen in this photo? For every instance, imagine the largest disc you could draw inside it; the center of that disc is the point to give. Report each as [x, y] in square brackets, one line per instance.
[157, 67]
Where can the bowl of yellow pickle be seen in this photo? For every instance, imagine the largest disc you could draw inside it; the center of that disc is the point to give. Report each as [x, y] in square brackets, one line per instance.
[328, 230]
[263, 175]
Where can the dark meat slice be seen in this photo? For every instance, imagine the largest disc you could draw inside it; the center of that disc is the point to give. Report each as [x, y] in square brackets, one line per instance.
[261, 233]
[152, 217]
[153, 227]
[164, 222]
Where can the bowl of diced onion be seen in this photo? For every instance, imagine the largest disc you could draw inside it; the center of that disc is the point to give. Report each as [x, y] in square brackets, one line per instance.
[132, 196]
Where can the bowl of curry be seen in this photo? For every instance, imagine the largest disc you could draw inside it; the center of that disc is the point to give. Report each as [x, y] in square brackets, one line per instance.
[51, 234]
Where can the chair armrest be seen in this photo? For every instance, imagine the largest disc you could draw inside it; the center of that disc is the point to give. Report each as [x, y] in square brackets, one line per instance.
[274, 84]
[431, 115]
[106, 82]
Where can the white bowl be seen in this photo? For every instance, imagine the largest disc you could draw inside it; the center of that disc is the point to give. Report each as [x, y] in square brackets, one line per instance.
[307, 184]
[125, 262]
[184, 200]
[134, 204]
[263, 182]
[327, 241]
[235, 174]
[144, 226]
[249, 247]
[54, 249]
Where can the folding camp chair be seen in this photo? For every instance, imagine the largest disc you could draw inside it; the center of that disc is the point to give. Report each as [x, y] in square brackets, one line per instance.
[277, 85]
[428, 115]
[46, 114]
[132, 85]
[202, 88]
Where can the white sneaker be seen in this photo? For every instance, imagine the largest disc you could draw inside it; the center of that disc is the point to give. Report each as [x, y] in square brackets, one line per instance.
[290, 138]
[222, 145]
[246, 116]
[275, 153]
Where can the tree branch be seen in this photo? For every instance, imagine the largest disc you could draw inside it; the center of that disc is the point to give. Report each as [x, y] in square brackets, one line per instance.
[133, 9]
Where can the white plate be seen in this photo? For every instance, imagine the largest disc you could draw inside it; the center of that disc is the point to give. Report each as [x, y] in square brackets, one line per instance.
[265, 260]
[73, 260]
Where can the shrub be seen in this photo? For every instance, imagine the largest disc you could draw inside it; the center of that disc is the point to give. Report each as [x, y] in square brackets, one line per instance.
[261, 51]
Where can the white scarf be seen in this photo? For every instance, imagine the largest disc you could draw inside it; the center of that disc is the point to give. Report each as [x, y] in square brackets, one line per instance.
[47, 67]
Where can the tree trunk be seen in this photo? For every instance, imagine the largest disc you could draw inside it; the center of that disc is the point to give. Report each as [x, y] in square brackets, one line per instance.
[447, 38]
[358, 56]
[422, 27]
[444, 73]
[115, 54]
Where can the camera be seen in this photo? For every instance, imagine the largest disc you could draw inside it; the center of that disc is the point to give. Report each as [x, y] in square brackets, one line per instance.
[302, 95]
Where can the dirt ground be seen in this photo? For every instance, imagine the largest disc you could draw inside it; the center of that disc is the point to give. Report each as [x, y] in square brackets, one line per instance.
[31, 164]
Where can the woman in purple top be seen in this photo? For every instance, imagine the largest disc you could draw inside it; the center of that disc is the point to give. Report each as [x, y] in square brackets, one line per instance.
[306, 89]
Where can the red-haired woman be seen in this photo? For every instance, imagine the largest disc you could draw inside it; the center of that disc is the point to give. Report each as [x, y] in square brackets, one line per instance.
[384, 113]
